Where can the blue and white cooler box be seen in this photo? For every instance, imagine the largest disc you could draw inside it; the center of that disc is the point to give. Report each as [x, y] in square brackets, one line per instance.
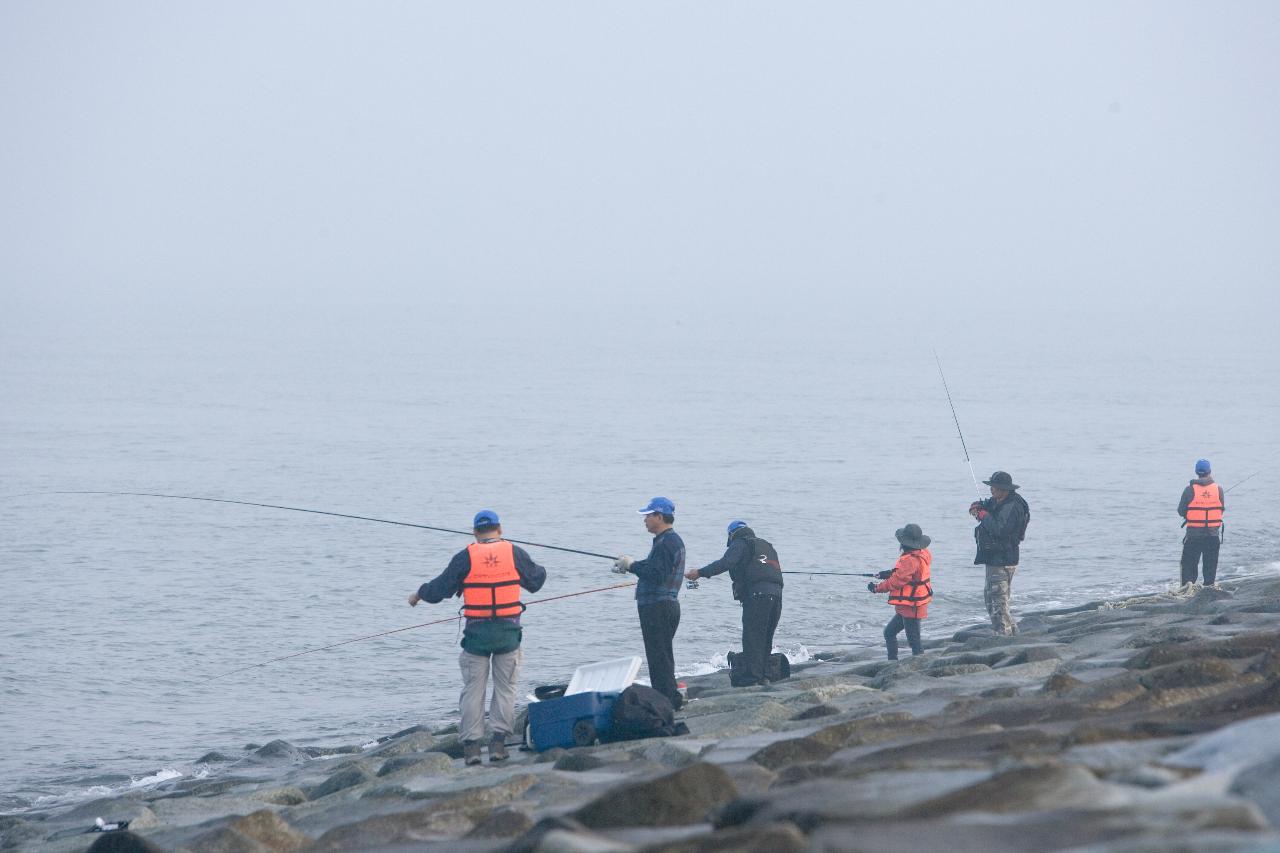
[585, 712]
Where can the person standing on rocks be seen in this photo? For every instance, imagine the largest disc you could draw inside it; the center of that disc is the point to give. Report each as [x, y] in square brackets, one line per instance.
[488, 574]
[660, 574]
[1201, 508]
[909, 589]
[1002, 525]
[752, 564]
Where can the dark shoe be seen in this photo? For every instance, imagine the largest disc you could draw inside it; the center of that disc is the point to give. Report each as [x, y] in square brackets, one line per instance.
[471, 752]
[497, 748]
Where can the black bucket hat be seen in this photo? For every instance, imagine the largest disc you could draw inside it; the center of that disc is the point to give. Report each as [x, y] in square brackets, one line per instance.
[1002, 480]
[912, 537]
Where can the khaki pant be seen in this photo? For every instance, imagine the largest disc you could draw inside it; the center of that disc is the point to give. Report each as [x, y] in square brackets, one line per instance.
[996, 596]
[502, 707]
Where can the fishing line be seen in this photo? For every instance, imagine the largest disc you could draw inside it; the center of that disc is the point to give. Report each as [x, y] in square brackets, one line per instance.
[409, 628]
[334, 514]
[835, 574]
[957, 420]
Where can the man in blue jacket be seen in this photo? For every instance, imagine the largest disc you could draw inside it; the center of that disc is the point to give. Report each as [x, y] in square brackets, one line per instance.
[488, 574]
[660, 574]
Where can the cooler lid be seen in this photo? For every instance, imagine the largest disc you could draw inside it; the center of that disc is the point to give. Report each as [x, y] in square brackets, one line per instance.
[610, 676]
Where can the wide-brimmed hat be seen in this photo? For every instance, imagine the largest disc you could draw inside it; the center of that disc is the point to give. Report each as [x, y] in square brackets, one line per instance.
[912, 537]
[1002, 480]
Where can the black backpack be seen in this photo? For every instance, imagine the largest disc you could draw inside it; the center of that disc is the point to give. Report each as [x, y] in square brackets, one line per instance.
[641, 712]
[764, 567]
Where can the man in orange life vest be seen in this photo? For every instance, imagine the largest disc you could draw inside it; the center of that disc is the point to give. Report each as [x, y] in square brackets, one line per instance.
[1201, 508]
[909, 589]
[488, 575]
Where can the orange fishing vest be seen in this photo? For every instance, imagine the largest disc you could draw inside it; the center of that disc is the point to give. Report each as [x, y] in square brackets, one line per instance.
[1205, 509]
[916, 593]
[491, 589]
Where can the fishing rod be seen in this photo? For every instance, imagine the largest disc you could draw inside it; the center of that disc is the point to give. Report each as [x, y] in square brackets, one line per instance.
[334, 514]
[409, 628]
[1246, 479]
[957, 420]
[389, 521]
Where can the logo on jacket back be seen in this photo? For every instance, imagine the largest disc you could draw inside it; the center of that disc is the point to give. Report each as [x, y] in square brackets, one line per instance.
[490, 560]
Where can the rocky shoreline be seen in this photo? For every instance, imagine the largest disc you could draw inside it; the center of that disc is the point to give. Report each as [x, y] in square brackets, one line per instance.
[1150, 724]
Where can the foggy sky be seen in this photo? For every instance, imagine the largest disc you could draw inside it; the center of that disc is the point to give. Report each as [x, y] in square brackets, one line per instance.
[862, 161]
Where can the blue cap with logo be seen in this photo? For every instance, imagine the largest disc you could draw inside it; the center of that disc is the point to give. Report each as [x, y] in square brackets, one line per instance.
[659, 504]
[485, 518]
[735, 524]
[1202, 467]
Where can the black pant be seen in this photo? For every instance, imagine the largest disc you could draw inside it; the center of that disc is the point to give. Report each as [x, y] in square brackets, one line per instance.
[760, 615]
[896, 624]
[658, 623]
[1192, 548]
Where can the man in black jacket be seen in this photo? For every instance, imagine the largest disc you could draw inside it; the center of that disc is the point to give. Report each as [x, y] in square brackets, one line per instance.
[753, 566]
[1002, 524]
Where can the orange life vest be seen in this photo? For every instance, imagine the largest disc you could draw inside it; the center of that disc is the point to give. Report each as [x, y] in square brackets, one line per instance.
[1205, 509]
[917, 592]
[491, 590]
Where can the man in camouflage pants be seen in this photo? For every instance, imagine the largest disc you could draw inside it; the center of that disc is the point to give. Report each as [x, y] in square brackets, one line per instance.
[1002, 524]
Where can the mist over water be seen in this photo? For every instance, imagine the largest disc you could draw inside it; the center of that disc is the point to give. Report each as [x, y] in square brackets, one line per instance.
[410, 262]
[119, 611]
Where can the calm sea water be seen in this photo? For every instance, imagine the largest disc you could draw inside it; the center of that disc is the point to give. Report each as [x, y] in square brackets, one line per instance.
[118, 612]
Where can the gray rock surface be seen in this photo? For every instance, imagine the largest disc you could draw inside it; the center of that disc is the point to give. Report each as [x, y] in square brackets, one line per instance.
[1137, 725]
[686, 796]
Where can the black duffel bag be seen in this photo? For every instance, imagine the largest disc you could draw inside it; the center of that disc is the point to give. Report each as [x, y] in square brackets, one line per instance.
[641, 712]
[776, 667]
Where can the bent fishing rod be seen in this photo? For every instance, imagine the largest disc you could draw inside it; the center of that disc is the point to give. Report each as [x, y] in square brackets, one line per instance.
[957, 420]
[408, 628]
[335, 515]
[388, 521]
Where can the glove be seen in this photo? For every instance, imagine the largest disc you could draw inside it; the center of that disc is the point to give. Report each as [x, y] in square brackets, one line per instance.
[622, 565]
[981, 514]
[884, 576]
[871, 586]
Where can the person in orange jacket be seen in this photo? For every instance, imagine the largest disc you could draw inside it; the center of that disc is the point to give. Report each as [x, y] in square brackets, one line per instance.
[909, 589]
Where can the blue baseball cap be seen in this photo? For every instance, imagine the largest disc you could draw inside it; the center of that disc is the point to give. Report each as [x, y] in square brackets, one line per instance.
[1202, 466]
[659, 504]
[735, 524]
[485, 518]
